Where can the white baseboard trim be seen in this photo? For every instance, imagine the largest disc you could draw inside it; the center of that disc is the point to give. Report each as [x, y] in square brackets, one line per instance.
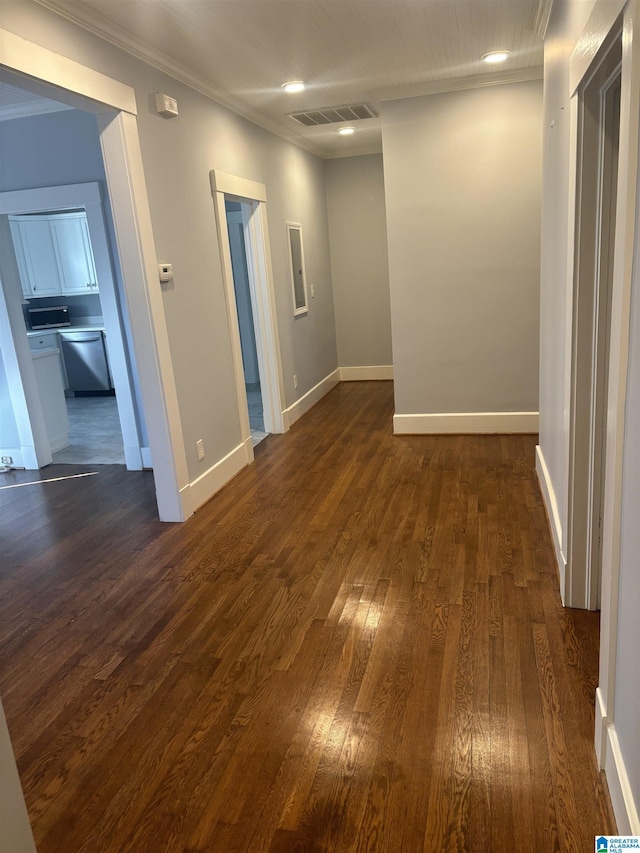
[297, 410]
[551, 505]
[625, 808]
[466, 422]
[145, 453]
[601, 723]
[366, 373]
[211, 481]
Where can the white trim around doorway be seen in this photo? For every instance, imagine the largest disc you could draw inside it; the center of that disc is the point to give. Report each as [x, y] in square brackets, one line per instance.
[38, 69]
[584, 61]
[224, 185]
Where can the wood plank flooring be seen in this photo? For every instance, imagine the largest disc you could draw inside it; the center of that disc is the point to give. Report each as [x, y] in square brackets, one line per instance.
[358, 645]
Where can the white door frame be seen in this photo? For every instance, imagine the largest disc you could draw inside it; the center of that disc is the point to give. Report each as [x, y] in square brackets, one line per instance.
[584, 61]
[592, 293]
[262, 296]
[40, 70]
[88, 196]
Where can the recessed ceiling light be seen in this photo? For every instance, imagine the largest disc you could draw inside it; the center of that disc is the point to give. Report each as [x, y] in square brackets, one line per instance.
[496, 56]
[293, 86]
[346, 131]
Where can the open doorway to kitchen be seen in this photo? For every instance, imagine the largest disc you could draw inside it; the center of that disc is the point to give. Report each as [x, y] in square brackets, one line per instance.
[48, 75]
[59, 266]
[64, 319]
[241, 219]
[237, 213]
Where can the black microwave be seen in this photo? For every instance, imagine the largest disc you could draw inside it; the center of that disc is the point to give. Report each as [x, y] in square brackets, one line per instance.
[54, 317]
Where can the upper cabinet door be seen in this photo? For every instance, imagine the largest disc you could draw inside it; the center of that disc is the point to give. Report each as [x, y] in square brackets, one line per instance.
[73, 250]
[36, 256]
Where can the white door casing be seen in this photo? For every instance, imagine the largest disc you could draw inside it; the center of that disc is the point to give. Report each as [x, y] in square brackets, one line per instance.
[262, 297]
[39, 70]
[585, 59]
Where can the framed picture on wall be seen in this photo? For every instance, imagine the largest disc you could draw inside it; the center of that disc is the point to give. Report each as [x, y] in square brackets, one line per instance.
[296, 264]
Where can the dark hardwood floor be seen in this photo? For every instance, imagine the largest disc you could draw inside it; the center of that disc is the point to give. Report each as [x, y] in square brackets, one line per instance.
[358, 645]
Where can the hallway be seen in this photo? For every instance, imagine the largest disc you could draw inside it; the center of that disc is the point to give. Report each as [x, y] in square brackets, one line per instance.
[358, 645]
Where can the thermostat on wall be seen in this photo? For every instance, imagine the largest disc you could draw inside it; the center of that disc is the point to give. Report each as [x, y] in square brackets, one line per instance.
[166, 106]
[166, 272]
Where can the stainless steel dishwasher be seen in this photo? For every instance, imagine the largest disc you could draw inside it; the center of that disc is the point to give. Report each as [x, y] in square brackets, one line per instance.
[85, 360]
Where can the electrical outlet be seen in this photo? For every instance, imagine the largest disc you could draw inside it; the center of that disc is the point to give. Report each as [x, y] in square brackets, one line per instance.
[200, 448]
[295, 380]
[6, 460]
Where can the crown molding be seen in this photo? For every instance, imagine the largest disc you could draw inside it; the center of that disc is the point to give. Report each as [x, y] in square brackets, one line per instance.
[543, 15]
[98, 25]
[458, 84]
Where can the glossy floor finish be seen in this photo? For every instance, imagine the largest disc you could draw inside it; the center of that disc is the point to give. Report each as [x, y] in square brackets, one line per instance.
[358, 645]
[95, 435]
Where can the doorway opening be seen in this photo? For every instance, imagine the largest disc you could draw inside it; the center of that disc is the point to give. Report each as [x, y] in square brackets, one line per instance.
[54, 252]
[598, 154]
[59, 278]
[241, 220]
[238, 213]
[44, 73]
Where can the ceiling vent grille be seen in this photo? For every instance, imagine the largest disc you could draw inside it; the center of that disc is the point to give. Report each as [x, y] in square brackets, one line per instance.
[334, 115]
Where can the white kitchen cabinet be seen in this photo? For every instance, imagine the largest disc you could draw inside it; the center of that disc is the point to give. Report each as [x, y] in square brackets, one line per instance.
[49, 339]
[73, 249]
[35, 255]
[46, 366]
[54, 254]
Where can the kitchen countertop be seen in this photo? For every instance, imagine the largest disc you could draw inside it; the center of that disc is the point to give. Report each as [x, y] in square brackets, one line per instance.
[35, 332]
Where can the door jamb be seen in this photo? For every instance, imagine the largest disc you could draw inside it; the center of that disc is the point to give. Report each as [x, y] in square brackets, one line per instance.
[585, 57]
[581, 578]
[261, 284]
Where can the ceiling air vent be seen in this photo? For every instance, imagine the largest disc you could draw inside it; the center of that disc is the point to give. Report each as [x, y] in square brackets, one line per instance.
[334, 115]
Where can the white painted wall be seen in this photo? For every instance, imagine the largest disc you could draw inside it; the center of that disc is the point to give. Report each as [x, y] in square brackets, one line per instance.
[462, 182]
[359, 259]
[178, 155]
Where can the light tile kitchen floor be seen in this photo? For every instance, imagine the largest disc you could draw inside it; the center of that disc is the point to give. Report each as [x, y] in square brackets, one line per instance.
[256, 416]
[94, 432]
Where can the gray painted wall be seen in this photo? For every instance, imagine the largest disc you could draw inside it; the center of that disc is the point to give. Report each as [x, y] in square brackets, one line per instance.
[178, 155]
[50, 150]
[8, 428]
[359, 259]
[462, 183]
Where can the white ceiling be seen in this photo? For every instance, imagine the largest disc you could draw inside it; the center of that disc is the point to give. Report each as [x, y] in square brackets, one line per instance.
[347, 51]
